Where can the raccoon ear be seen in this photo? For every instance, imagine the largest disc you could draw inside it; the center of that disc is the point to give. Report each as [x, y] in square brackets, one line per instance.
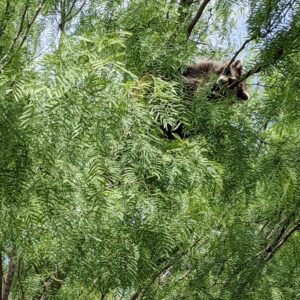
[238, 64]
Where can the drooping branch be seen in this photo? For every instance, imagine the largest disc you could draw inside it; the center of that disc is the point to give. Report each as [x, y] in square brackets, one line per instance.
[197, 17]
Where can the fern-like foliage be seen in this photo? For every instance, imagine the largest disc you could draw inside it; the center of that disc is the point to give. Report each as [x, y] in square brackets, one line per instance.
[97, 202]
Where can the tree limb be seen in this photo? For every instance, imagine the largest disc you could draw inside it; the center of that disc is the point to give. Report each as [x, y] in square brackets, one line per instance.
[5, 18]
[6, 60]
[281, 239]
[31, 23]
[22, 294]
[9, 278]
[251, 72]
[197, 17]
[19, 32]
[1, 274]
[169, 264]
[22, 22]
[273, 25]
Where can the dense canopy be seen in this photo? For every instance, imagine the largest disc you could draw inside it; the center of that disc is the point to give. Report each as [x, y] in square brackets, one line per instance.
[96, 202]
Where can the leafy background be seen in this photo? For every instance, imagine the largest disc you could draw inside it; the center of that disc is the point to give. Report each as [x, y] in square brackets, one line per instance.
[96, 203]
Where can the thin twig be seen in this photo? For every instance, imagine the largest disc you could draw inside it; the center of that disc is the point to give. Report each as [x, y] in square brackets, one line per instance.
[70, 9]
[246, 42]
[22, 21]
[71, 16]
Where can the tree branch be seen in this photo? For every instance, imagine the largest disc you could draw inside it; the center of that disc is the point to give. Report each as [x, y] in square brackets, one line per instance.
[281, 239]
[19, 32]
[70, 16]
[197, 17]
[9, 278]
[251, 72]
[31, 23]
[273, 25]
[182, 10]
[1, 274]
[63, 15]
[5, 18]
[25, 35]
[169, 264]
[22, 22]
[239, 51]
[70, 9]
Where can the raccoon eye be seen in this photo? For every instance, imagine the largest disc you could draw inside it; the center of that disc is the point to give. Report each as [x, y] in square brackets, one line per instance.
[228, 72]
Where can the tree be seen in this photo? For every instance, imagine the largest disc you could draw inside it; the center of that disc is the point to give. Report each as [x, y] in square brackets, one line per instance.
[96, 203]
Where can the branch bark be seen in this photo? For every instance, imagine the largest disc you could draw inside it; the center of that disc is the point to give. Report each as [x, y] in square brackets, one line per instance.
[31, 23]
[279, 242]
[9, 278]
[197, 17]
[1, 274]
[19, 32]
[5, 19]
[6, 59]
